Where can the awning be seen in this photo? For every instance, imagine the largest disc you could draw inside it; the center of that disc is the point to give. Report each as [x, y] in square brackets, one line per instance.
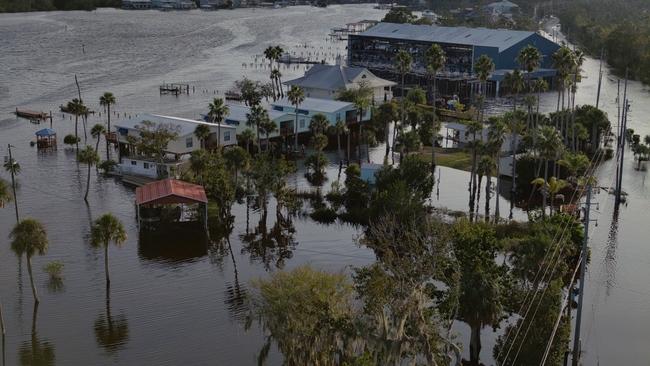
[170, 191]
[46, 132]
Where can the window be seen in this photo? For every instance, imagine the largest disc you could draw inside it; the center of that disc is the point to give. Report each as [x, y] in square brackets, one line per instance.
[338, 116]
[302, 123]
[189, 142]
[226, 135]
[277, 108]
[133, 162]
[146, 165]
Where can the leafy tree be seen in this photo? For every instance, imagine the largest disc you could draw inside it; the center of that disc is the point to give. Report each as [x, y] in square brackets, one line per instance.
[399, 15]
[106, 101]
[320, 305]
[28, 237]
[89, 157]
[105, 230]
[154, 138]
[71, 140]
[481, 290]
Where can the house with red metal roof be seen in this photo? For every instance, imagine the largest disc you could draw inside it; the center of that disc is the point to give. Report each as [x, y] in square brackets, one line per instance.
[170, 201]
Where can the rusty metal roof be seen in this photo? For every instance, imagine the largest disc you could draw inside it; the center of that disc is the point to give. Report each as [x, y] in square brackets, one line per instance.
[170, 191]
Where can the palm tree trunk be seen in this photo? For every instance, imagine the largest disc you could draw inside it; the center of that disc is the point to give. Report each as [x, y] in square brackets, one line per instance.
[31, 278]
[259, 147]
[475, 345]
[296, 131]
[338, 144]
[268, 142]
[108, 130]
[76, 131]
[87, 184]
[433, 128]
[478, 194]
[2, 325]
[488, 184]
[513, 149]
[544, 193]
[496, 195]
[348, 150]
[108, 278]
[218, 133]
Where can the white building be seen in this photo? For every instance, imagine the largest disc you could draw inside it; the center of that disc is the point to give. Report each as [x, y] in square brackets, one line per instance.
[327, 81]
[282, 112]
[177, 151]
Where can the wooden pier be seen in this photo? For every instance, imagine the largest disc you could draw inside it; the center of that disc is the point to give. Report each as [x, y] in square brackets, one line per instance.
[25, 113]
[174, 88]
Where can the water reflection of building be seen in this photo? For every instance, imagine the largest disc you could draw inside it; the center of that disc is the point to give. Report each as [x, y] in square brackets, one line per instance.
[376, 48]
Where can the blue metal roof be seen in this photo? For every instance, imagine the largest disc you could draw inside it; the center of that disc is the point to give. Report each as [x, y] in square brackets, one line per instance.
[46, 132]
[497, 38]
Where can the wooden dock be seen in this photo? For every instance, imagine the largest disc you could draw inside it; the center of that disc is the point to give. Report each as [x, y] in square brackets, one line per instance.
[25, 113]
[174, 88]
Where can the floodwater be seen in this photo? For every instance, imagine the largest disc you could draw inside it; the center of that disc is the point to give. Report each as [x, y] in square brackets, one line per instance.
[183, 305]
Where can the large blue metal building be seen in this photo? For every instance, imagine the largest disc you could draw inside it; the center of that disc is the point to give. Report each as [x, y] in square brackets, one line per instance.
[376, 48]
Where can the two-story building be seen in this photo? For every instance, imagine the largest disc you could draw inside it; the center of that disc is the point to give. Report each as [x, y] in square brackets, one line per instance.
[131, 162]
[327, 81]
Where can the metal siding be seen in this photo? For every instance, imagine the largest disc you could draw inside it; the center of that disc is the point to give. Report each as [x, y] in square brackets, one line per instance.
[507, 58]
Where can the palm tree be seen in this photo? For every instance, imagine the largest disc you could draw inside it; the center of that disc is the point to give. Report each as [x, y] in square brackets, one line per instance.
[278, 53]
[77, 108]
[270, 54]
[484, 168]
[105, 230]
[218, 111]
[435, 61]
[28, 237]
[318, 124]
[88, 156]
[549, 144]
[96, 132]
[268, 127]
[514, 82]
[257, 116]
[106, 101]
[483, 69]
[514, 123]
[296, 97]
[247, 136]
[575, 164]
[552, 187]
[473, 127]
[202, 132]
[403, 64]
[338, 129]
[496, 137]
[275, 77]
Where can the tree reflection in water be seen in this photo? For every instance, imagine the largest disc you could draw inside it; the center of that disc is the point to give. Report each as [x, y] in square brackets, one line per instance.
[271, 246]
[111, 332]
[36, 352]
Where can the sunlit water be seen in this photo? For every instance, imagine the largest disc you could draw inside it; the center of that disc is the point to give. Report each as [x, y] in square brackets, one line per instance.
[183, 306]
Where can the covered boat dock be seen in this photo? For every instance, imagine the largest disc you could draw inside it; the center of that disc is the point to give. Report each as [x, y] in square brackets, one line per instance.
[167, 202]
[45, 138]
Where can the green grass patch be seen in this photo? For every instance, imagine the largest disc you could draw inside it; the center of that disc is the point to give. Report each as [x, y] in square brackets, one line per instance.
[451, 158]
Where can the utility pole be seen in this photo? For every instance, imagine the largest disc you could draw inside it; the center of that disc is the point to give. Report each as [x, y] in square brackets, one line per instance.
[12, 165]
[600, 76]
[622, 134]
[583, 267]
